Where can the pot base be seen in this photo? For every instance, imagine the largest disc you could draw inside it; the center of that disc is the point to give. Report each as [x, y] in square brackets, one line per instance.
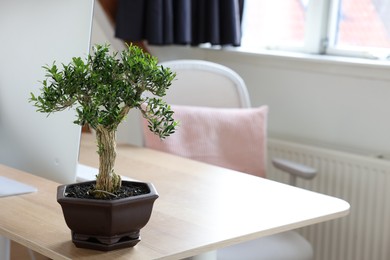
[105, 243]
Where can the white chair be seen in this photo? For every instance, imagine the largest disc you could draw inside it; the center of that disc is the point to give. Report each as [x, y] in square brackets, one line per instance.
[206, 84]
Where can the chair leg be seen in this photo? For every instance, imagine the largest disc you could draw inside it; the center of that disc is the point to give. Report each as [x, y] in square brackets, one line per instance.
[31, 254]
[5, 246]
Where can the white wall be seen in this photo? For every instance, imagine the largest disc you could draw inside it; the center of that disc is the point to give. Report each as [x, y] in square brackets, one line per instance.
[103, 30]
[339, 103]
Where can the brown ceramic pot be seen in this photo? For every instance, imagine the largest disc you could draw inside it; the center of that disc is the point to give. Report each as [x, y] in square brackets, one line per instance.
[107, 224]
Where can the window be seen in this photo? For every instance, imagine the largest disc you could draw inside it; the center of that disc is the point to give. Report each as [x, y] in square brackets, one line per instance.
[268, 23]
[338, 27]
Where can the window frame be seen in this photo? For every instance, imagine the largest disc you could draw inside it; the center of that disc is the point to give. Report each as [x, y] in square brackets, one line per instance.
[321, 31]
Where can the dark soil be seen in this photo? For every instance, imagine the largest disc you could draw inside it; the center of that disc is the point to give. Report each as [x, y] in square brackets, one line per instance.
[85, 190]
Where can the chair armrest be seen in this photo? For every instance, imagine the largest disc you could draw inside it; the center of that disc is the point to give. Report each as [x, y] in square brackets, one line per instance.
[295, 169]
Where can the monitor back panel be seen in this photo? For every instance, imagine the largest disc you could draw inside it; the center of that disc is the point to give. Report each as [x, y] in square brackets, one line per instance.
[33, 34]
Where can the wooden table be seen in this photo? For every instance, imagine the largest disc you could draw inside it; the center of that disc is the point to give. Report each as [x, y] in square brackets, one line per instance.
[201, 208]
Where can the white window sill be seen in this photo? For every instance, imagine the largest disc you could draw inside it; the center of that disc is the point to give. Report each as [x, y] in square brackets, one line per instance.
[350, 66]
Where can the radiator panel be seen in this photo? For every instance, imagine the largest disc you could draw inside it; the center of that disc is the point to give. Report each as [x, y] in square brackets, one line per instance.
[362, 181]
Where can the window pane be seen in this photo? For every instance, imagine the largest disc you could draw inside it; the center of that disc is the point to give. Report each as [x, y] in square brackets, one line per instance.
[273, 22]
[363, 23]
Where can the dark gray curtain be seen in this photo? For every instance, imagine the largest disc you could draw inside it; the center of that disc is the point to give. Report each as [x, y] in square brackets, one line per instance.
[164, 22]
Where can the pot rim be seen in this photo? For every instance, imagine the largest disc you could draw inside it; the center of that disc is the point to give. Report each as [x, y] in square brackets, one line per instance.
[63, 199]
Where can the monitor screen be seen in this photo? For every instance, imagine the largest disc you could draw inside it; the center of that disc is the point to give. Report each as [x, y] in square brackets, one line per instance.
[33, 34]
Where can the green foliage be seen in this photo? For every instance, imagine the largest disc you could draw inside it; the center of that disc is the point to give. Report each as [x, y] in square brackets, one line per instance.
[160, 117]
[105, 86]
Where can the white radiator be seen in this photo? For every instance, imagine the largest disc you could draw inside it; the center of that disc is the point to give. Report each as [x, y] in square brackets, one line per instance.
[362, 181]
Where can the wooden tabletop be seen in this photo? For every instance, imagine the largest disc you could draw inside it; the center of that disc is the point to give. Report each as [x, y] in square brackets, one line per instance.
[200, 208]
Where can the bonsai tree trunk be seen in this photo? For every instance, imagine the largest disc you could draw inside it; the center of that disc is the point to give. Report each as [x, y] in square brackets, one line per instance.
[107, 180]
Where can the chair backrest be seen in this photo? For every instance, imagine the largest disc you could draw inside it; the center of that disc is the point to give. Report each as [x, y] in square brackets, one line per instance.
[200, 83]
[217, 125]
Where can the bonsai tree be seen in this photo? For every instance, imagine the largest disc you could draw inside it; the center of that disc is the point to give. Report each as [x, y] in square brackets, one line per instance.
[103, 88]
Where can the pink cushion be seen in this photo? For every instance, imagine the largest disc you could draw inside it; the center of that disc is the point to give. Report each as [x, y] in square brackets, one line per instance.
[233, 138]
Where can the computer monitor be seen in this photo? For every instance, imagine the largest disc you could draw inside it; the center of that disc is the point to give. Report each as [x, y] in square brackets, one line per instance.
[33, 34]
